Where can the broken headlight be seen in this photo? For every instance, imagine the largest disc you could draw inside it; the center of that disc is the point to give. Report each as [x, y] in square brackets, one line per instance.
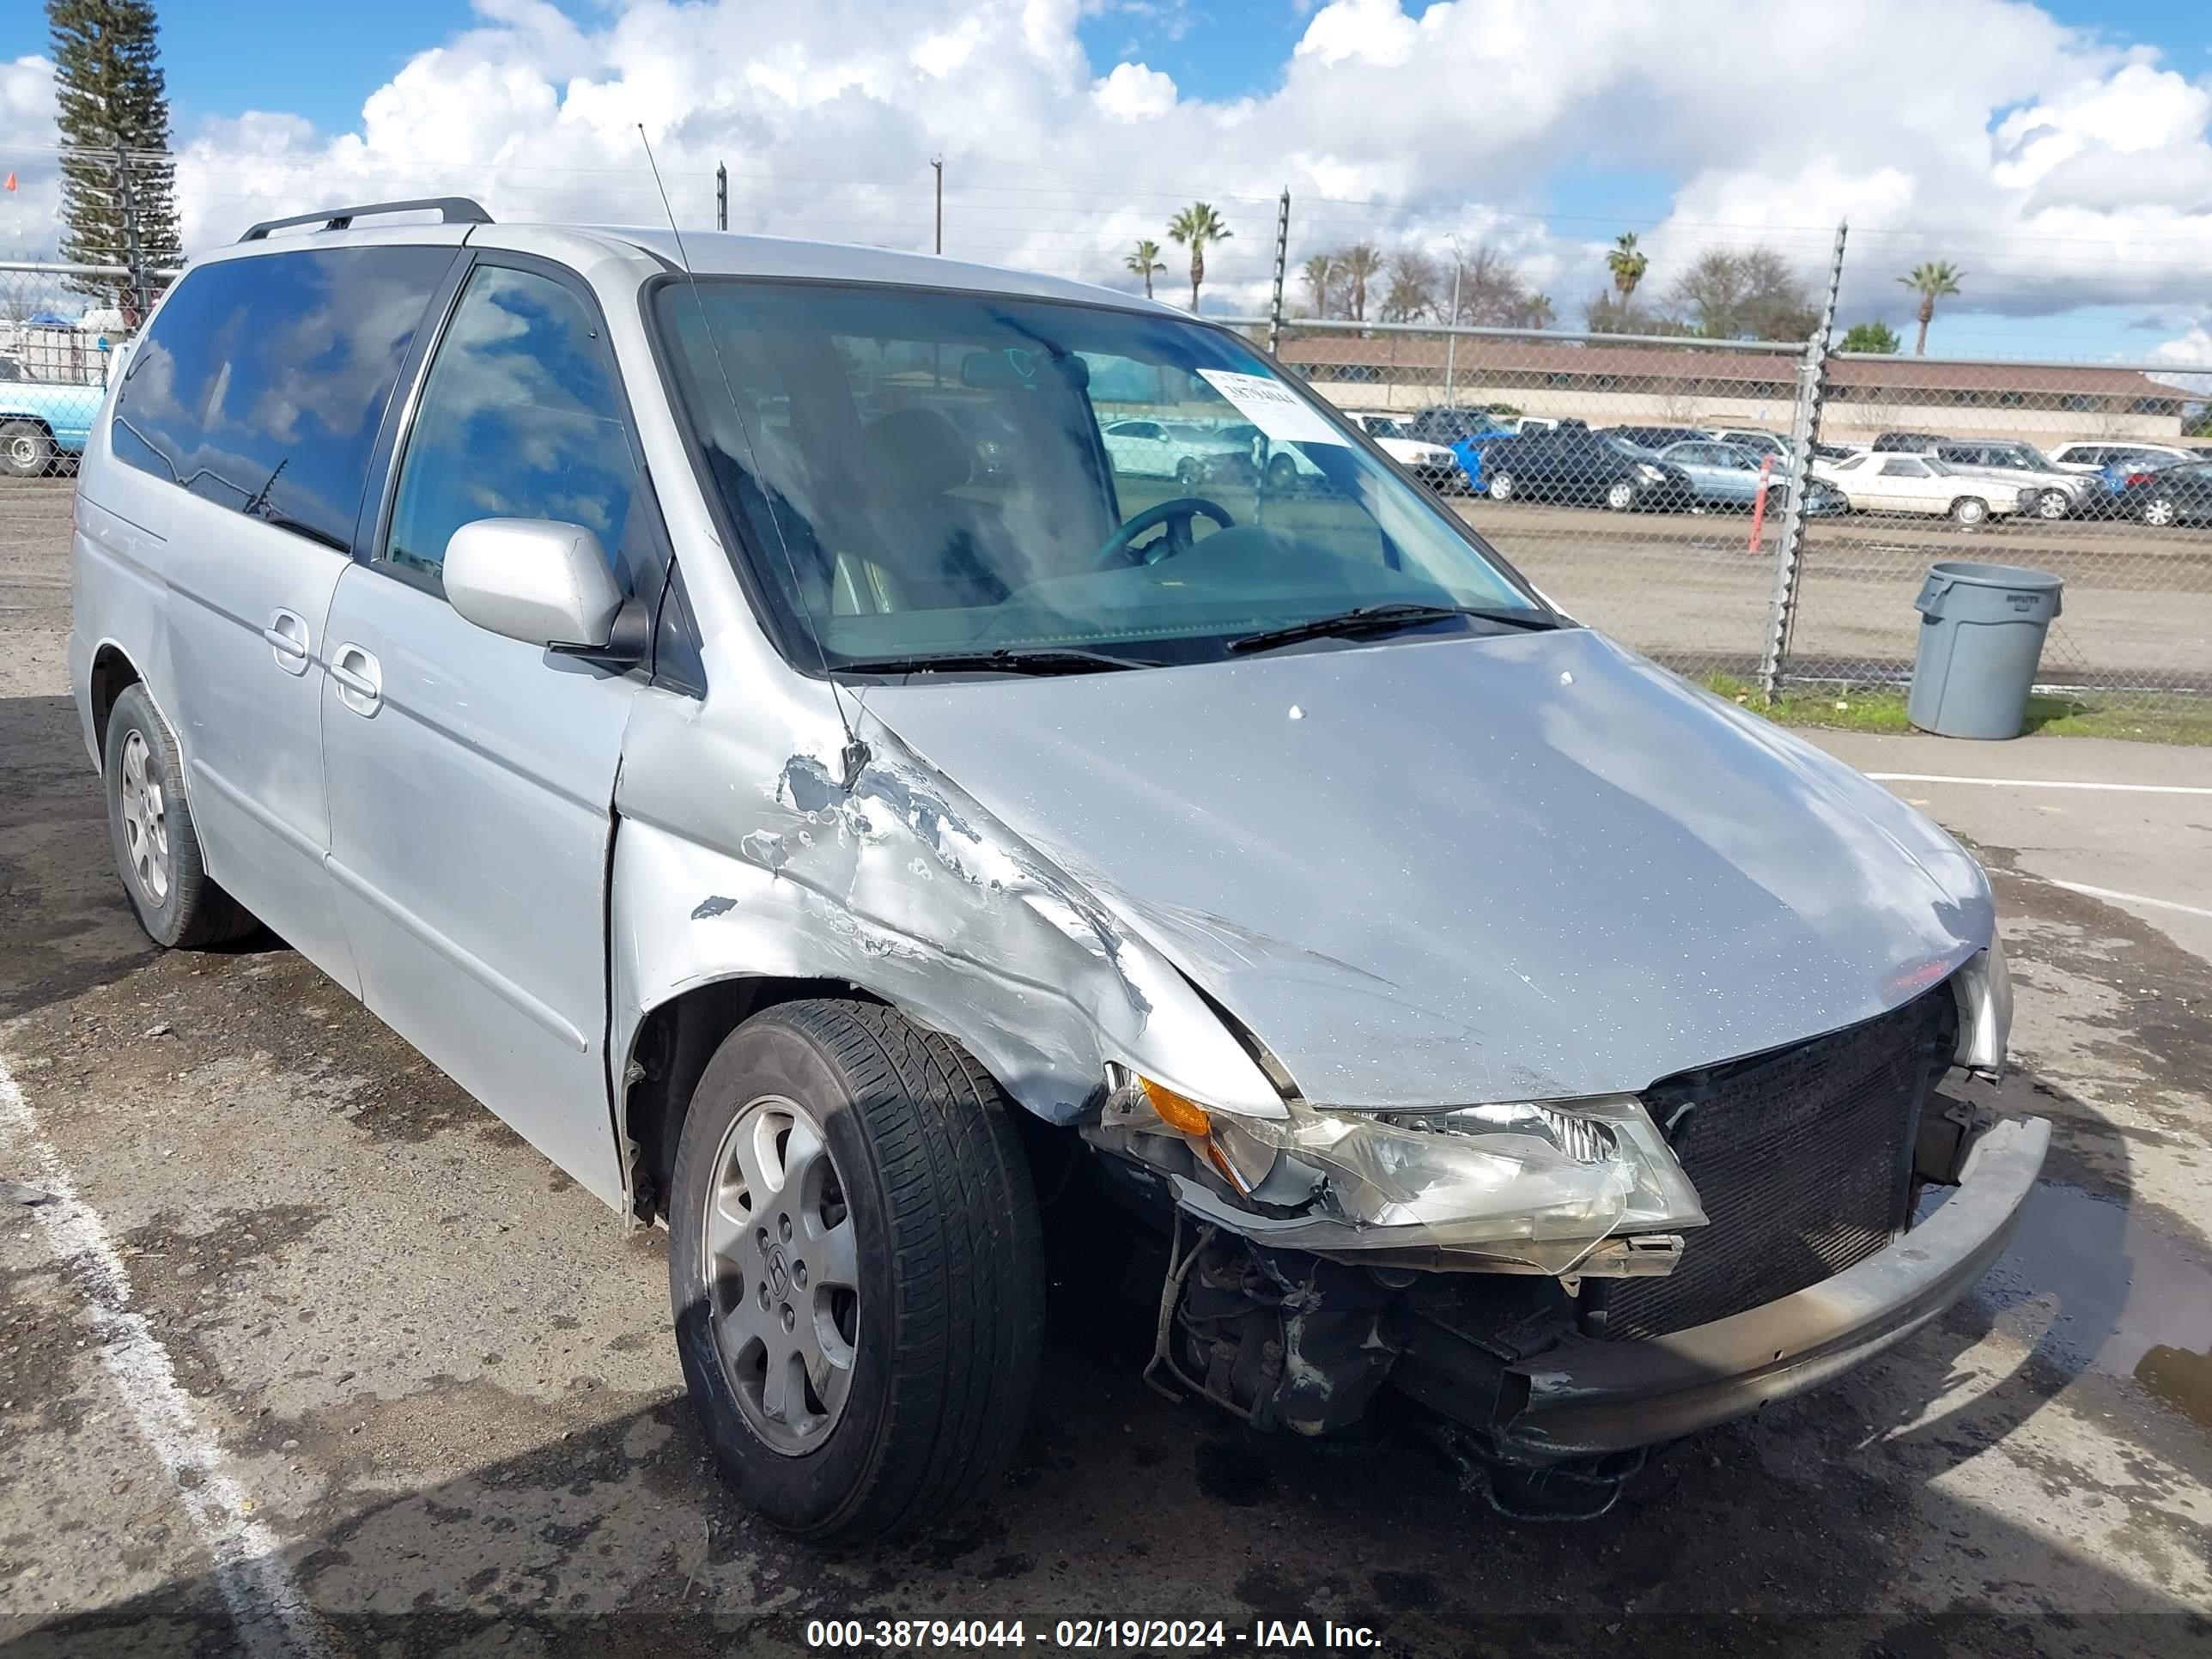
[1983, 987]
[1537, 1171]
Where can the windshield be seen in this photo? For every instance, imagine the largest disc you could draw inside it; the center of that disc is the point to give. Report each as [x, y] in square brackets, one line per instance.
[1635, 452]
[1156, 491]
[1382, 425]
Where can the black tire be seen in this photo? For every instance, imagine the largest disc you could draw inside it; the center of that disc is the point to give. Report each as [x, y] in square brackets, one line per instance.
[951, 1285]
[189, 912]
[1188, 471]
[1970, 510]
[2053, 504]
[1282, 472]
[26, 449]
[1502, 486]
[2160, 512]
[1619, 495]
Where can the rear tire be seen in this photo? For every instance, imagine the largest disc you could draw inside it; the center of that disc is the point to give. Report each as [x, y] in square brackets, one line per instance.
[1967, 510]
[26, 449]
[157, 850]
[941, 1342]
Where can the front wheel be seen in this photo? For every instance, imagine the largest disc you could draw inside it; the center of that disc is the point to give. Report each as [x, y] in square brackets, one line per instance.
[1620, 496]
[1282, 472]
[855, 1269]
[1187, 472]
[1502, 486]
[2053, 504]
[1968, 511]
[2160, 513]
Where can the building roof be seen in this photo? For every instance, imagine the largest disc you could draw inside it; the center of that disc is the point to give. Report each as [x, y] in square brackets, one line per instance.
[1482, 354]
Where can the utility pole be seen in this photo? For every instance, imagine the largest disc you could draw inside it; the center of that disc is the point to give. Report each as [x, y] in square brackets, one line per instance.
[721, 197]
[1790, 542]
[1451, 337]
[130, 235]
[938, 162]
[1282, 259]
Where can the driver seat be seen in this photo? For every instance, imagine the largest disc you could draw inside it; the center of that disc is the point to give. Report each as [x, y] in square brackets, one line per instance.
[930, 550]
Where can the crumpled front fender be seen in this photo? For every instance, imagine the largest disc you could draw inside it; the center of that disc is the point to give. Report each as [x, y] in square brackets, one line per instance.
[751, 844]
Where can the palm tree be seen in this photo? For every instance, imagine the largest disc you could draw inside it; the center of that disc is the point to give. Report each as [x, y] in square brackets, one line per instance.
[1360, 264]
[1935, 280]
[1193, 227]
[1320, 274]
[1538, 312]
[1626, 264]
[1145, 259]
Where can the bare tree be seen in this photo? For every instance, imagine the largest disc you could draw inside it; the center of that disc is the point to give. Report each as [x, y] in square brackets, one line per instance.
[1729, 294]
[1492, 293]
[1412, 292]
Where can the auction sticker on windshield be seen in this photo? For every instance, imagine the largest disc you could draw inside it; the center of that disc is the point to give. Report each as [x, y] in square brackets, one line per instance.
[1273, 407]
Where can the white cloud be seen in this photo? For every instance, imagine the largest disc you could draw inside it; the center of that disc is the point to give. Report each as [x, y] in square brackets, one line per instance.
[2057, 169]
[1135, 92]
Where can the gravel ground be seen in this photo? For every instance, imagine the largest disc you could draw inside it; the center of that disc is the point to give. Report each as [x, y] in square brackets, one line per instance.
[316, 1327]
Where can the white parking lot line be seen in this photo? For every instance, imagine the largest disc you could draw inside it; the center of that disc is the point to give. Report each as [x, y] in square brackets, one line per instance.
[2044, 783]
[2082, 887]
[273, 1618]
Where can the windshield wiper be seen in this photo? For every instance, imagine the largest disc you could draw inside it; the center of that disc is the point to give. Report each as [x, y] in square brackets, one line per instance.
[1380, 619]
[1043, 659]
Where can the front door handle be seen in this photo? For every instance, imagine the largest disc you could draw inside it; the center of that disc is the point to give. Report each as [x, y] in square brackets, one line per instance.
[287, 635]
[360, 680]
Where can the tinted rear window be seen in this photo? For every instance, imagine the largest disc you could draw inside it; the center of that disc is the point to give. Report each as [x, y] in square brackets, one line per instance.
[262, 382]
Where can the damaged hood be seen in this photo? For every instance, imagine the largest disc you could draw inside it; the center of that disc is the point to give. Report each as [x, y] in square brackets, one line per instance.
[1447, 872]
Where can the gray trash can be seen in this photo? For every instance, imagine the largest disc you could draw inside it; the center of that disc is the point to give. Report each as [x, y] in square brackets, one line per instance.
[1981, 637]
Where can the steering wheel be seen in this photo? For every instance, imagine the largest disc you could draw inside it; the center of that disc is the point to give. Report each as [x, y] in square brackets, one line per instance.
[1178, 515]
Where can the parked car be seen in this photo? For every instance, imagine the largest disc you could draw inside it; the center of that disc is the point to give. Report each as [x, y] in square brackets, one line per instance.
[1722, 475]
[2094, 456]
[1447, 423]
[1434, 465]
[1469, 451]
[2023, 465]
[2169, 495]
[795, 847]
[1657, 438]
[1911, 443]
[1576, 465]
[1900, 482]
[1758, 442]
[1188, 454]
[41, 421]
[1286, 465]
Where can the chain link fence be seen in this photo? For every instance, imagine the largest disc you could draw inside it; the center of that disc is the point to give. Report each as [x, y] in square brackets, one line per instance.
[1646, 485]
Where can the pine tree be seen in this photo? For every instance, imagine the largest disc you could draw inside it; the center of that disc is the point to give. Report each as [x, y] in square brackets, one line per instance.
[114, 119]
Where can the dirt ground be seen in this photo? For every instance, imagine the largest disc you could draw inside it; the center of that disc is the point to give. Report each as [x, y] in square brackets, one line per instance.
[320, 1359]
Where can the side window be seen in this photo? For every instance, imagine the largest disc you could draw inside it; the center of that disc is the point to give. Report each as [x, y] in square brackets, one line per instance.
[262, 382]
[518, 418]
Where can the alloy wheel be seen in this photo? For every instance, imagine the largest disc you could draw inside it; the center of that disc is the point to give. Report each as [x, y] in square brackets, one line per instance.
[145, 819]
[783, 1262]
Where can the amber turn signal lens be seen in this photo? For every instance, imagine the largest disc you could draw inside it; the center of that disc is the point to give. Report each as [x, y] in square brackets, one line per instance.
[1175, 1111]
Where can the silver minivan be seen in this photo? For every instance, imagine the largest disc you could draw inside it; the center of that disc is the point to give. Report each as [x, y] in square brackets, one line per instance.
[602, 653]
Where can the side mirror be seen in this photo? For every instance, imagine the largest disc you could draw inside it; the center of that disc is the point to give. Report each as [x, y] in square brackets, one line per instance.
[533, 579]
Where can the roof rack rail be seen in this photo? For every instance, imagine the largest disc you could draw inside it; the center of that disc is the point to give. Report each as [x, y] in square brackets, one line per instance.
[454, 210]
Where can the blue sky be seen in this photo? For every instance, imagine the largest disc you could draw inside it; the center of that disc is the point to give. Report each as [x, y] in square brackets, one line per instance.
[1564, 184]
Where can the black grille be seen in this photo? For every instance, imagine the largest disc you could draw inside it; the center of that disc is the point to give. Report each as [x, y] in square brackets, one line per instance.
[1802, 1158]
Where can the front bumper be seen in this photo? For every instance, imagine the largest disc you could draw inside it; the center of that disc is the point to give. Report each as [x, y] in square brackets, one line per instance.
[1584, 1397]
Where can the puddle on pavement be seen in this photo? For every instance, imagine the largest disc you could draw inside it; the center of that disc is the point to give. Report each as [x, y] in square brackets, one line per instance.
[2129, 1301]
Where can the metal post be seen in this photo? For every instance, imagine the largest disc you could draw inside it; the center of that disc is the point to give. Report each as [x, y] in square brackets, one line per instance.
[938, 162]
[137, 257]
[1789, 539]
[1282, 259]
[1451, 339]
[721, 197]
